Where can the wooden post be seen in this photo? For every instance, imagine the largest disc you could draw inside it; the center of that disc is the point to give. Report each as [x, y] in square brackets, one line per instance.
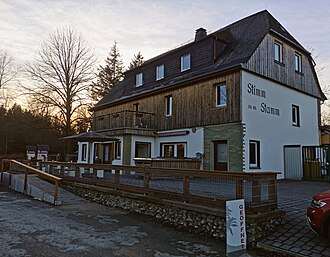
[10, 171]
[256, 192]
[117, 177]
[25, 180]
[186, 185]
[272, 191]
[239, 188]
[2, 170]
[77, 172]
[94, 174]
[62, 171]
[146, 180]
[55, 192]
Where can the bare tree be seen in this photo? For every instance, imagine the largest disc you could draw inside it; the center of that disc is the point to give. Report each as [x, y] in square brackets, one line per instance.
[7, 70]
[62, 72]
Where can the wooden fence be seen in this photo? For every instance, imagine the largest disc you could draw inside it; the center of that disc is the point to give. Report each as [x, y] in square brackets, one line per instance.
[204, 188]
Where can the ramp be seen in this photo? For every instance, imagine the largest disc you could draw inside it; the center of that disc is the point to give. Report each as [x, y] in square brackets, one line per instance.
[40, 189]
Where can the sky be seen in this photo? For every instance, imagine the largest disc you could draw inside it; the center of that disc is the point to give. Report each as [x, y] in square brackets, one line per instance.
[155, 26]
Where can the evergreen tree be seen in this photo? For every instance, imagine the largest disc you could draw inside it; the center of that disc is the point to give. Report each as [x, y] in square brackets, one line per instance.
[108, 75]
[136, 61]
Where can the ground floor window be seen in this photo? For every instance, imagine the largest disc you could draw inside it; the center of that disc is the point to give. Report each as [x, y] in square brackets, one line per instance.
[142, 150]
[173, 150]
[84, 152]
[254, 154]
[118, 150]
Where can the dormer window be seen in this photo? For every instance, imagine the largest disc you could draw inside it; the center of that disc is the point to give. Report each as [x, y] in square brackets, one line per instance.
[138, 79]
[297, 62]
[185, 62]
[160, 72]
[278, 52]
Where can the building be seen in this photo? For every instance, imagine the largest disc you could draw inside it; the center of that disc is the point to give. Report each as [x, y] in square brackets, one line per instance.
[41, 151]
[243, 98]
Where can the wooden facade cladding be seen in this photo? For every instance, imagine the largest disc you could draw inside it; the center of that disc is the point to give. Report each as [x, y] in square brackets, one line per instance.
[262, 62]
[194, 105]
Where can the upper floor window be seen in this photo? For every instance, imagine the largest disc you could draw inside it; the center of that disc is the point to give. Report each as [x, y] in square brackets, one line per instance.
[297, 62]
[295, 116]
[169, 103]
[185, 62]
[278, 52]
[160, 72]
[221, 95]
[138, 79]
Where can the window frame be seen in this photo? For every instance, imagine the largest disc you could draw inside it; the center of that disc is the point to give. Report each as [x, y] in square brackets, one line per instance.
[118, 150]
[175, 149]
[218, 95]
[295, 115]
[169, 105]
[147, 144]
[139, 79]
[160, 75]
[184, 58]
[84, 150]
[256, 164]
[278, 51]
[297, 62]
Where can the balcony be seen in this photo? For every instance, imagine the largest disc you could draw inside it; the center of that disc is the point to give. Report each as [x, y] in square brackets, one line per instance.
[125, 120]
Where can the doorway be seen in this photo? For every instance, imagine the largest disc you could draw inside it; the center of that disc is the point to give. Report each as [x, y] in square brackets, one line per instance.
[221, 155]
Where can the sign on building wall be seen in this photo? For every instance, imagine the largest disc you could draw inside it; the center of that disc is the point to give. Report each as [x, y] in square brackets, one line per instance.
[236, 230]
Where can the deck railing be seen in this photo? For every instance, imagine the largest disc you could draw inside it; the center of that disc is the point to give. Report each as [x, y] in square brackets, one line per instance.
[205, 188]
[15, 167]
[124, 119]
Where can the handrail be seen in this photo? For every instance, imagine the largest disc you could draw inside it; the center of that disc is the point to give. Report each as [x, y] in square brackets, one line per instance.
[28, 169]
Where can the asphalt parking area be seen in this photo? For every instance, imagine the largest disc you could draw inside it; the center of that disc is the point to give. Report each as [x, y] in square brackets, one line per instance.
[33, 228]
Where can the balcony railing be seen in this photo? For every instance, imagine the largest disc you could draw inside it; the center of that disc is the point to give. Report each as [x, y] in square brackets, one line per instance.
[124, 119]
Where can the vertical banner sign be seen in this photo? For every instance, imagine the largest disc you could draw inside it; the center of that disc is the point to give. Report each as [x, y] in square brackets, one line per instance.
[236, 230]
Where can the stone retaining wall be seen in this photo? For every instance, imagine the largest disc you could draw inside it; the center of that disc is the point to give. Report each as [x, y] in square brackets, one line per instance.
[194, 221]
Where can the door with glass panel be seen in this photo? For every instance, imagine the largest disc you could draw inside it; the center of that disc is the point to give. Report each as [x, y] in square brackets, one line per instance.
[221, 155]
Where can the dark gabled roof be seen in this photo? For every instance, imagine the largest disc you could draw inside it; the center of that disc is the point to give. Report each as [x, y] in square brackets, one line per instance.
[242, 37]
[90, 136]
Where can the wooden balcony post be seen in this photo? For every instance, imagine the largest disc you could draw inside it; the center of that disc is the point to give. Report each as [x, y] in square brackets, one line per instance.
[94, 174]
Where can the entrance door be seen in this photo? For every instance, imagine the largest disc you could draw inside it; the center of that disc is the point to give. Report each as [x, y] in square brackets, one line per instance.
[292, 163]
[221, 155]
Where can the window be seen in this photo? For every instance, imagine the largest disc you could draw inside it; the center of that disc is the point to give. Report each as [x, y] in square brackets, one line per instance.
[173, 150]
[254, 154]
[84, 152]
[118, 150]
[169, 103]
[138, 79]
[297, 62]
[295, 116]
[278, 52]
[185, 62]
[221, 95]
[142, 150]
[160, 72]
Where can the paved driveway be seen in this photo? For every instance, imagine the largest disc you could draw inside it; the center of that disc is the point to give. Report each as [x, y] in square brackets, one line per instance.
[294, 235]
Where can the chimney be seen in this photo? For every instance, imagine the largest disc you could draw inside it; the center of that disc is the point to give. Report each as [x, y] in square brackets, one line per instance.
[200, 33]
